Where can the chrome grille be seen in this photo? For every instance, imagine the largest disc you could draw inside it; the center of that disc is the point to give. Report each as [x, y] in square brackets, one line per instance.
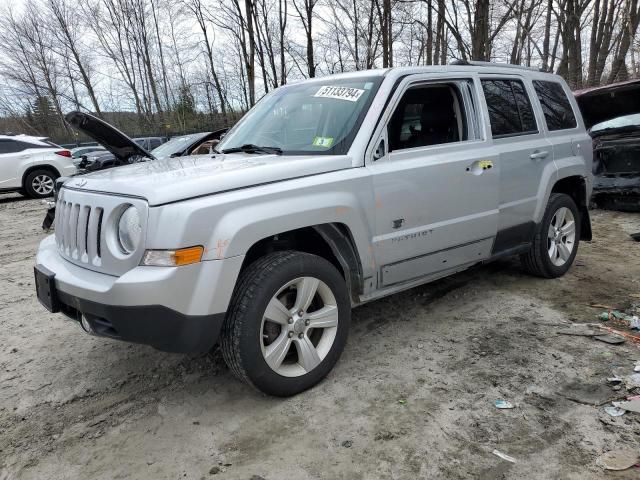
[77, 231]
[85, 227]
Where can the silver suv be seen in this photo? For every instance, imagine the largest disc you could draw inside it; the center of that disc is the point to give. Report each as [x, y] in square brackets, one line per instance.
[328, 194]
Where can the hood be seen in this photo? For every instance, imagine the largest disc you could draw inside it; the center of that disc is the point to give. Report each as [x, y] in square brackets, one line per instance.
[599, 104]
[180, 178]
[108, 136]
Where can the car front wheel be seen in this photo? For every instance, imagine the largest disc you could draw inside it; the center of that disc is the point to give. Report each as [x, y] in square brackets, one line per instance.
[287, 323]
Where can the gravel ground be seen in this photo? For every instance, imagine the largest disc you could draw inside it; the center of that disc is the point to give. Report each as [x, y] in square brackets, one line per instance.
[412, 396]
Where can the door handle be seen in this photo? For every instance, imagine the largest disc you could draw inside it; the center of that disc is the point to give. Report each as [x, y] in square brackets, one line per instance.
[539, 155]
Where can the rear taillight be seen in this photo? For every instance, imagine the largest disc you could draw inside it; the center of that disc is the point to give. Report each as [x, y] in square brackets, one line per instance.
[64, 153]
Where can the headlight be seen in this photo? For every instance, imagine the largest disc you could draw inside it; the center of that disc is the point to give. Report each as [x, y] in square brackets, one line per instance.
[173, 258]
[129, 230]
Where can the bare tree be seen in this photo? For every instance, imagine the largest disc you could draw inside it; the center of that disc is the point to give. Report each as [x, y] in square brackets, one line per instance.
[69, 46]
[305, 13]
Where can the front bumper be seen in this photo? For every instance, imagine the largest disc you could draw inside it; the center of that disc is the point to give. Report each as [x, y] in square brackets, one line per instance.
[177, 309]
[623, 184]
[154, 325]
[617, 192]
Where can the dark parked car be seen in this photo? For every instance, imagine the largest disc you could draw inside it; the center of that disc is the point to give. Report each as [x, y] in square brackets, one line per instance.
[612, 114]
[121, 150]
[79, 152]
[149, 143]
[102, 159]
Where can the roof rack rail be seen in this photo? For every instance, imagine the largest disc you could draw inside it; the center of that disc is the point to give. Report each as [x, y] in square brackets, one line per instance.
[477, 63]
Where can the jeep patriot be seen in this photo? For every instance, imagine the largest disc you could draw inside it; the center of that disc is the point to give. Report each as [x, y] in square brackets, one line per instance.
[329, 193]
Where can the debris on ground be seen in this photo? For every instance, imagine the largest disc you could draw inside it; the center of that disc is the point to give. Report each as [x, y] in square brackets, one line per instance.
[347, 444]
[613, 314]
[633, 381]
[588, 394]
[630, 319]
[628, 406]
[504, 456]
[635, 236]
[503, 404]
[610, 339]
[614, 411]
[579, 330]
[618, 459]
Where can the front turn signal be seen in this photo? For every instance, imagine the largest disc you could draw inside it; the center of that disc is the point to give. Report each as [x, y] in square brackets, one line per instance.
[172, 258]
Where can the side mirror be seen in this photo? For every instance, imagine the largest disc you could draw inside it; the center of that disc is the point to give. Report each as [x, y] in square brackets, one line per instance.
[380, 151]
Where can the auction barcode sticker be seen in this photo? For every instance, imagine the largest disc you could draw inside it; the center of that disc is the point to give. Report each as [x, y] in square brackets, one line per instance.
[340, 93]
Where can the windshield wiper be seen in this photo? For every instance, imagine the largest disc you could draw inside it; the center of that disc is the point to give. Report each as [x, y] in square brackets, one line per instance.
[251, 148]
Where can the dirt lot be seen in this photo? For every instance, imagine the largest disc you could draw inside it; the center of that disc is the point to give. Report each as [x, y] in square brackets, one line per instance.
[412, 397]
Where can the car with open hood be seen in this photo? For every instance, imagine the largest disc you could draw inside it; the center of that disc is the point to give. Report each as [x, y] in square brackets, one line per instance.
[120, 149]
[328, 194]
[612, 114]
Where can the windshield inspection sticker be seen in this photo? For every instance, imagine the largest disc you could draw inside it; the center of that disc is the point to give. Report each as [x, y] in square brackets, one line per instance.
[340, 93]
[325, 142]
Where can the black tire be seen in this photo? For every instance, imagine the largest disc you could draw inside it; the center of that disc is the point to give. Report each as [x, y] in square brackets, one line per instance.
[537, 260]
[29, 186]
[241, 331]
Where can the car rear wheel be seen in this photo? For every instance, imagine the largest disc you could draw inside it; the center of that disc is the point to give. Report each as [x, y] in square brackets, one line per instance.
[40, 183]
[287, 323]
[555, 243]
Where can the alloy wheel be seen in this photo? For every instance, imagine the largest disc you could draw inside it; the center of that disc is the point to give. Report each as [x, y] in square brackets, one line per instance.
[42, 184]
[299, 327]
[561, 236]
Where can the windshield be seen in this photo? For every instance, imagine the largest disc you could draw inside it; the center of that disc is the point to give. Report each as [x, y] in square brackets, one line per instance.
[321, 117]
[619, 122]
[176, 145]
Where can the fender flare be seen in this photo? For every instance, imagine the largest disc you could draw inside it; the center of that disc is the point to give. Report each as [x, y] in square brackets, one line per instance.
[342, 246]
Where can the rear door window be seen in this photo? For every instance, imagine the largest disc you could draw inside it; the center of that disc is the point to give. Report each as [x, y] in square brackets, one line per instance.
[510, 111]
[555, 105]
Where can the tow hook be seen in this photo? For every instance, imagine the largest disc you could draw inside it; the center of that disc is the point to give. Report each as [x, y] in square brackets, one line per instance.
[86, 326]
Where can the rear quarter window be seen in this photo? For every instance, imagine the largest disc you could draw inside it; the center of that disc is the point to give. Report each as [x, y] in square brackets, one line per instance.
[11, 146]
[555, 105]
[510, 111]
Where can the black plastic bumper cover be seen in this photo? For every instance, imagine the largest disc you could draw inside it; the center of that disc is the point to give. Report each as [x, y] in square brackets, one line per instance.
[155, 325]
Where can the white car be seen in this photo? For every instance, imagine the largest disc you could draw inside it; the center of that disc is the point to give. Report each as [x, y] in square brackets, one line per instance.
[30, 165]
